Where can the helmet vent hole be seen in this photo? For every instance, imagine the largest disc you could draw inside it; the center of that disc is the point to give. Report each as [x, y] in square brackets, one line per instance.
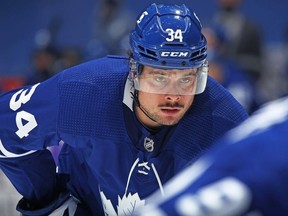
[163, 62]
[151, 52]
[203, 50]
[195, 54]
[141, 48]
[174, 44]
[148, 56]
[183, 63]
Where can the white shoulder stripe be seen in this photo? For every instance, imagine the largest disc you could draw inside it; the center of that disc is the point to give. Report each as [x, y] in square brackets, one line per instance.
[7, 154]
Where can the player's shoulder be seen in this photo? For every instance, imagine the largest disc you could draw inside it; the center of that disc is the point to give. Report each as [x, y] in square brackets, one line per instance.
[215, 90]
[218, 101]
[93, 70]
[88, 82]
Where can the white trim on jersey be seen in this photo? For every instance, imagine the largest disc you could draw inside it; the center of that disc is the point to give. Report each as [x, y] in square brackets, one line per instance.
[9, 154]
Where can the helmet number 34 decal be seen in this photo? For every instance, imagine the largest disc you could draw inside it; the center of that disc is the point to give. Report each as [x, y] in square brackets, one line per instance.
[174, 35]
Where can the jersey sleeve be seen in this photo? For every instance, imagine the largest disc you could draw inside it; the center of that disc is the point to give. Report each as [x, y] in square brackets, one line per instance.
[28, 125]
[28, 118]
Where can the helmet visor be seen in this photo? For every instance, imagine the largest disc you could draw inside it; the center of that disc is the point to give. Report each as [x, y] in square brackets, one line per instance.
[176, 82]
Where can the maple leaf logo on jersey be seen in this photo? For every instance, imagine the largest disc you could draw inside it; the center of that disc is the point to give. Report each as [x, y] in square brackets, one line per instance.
[126, 205]
[107, 205]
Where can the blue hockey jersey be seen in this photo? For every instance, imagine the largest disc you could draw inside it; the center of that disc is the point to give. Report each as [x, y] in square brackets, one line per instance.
[246, 173]
[104, 161]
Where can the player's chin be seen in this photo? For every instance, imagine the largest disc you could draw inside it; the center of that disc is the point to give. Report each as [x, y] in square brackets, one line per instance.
[169, 121]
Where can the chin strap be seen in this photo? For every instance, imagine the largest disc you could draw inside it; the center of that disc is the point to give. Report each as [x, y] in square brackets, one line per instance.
[137, 102]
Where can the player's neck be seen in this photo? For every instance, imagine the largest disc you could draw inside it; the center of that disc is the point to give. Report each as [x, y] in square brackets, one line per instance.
[151, 125]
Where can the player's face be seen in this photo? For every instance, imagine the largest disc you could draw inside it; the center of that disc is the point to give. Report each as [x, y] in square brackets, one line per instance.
[165, 109]
[171, 82]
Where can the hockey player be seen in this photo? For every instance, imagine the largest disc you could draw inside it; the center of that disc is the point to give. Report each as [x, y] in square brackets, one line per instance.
[245, 174]
[128, 124]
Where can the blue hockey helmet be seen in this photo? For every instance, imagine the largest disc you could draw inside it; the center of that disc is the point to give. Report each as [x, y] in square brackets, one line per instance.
[169, 37]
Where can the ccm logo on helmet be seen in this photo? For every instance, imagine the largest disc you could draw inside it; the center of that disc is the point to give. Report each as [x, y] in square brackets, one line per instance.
[174, 54]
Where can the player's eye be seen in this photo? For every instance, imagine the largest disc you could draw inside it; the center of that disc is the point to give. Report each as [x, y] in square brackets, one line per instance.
[160, 79]
[186, 80]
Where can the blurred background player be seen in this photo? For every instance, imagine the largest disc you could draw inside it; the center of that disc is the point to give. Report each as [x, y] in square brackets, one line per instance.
[113, 22]
[226, 70]
[243, 38]
[244, 174]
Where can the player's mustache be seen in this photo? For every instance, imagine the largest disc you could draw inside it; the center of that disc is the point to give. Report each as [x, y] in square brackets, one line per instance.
[177, 105]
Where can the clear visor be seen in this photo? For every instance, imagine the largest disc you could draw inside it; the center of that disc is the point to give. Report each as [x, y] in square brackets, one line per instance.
[176, 82]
